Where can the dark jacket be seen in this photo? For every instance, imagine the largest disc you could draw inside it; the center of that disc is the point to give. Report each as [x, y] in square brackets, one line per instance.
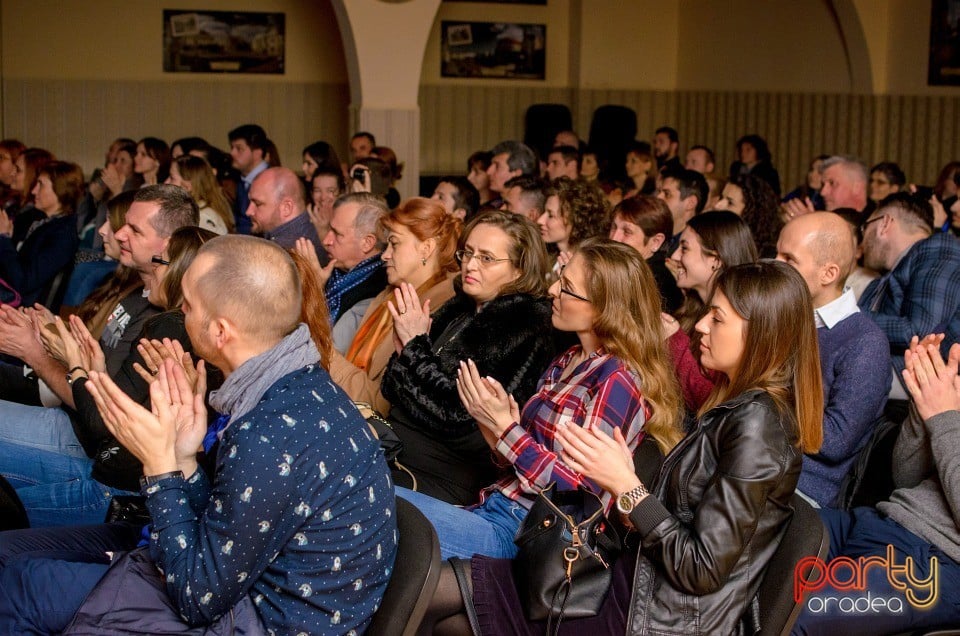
[42, 255]
[722, 504]
[511, 339]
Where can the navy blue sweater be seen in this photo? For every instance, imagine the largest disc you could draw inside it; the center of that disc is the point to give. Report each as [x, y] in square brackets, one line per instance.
[855, 366]
[300, 516]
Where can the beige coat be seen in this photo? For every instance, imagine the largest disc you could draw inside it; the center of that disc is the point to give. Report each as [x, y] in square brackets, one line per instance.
[365, 387]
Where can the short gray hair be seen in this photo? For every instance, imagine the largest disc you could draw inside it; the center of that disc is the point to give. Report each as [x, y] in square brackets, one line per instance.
[520, 156]
[372, 209]
[854, 166]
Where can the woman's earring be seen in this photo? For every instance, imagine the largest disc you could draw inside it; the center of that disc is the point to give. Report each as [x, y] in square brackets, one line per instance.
[423, 261]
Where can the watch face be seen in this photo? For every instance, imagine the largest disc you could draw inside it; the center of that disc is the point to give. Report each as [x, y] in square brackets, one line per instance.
[624, 504]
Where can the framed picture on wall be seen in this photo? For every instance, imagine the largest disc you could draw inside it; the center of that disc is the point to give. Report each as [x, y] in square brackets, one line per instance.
[944, 44]
[498, 50]
[223, 42]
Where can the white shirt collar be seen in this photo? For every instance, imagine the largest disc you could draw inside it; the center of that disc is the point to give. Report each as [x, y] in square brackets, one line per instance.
[260, 167]
[836, 310]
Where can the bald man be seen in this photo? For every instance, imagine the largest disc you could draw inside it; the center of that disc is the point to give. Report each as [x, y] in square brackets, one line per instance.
[278, 211]
[294, 529]
[854, 352]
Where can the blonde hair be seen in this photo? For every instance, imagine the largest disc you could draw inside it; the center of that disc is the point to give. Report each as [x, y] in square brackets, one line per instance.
[627, 303]
[204, 186]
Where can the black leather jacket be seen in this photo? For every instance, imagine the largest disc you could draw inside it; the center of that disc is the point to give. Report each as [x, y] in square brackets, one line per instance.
[721, 506]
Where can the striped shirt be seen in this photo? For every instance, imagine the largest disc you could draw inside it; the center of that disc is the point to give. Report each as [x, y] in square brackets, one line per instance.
[602, 392]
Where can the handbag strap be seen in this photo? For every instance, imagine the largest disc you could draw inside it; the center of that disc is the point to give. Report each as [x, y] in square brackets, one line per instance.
[553, 628]
[460, 572]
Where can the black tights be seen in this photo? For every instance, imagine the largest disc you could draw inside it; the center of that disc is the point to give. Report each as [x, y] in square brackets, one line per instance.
[445, 614]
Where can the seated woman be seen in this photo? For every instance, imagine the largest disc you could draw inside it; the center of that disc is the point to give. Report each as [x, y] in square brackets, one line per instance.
[152, 161]
[754, 200]
[711, 242]
[195, 175]
[641, 168]
[74, 484]
[50, 243]
[645, 223]
[574, 211]
[708, 525]
[754, 157]
[500, 319]
[95, 285]
[421, 241]
[325, 186]
[616, 379]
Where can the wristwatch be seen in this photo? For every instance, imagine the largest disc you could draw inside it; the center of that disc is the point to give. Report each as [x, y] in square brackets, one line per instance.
[149, 480]
[628, 500]
[71, 379]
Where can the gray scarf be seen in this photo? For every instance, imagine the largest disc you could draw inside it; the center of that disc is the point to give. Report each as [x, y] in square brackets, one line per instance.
[247, 384]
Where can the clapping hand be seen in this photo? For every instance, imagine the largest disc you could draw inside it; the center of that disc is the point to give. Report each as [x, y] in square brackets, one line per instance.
[154, 352]
[486, 401]
[304, 247]
[796, 207]
[410, 319]
[606, 461]
[933, 384]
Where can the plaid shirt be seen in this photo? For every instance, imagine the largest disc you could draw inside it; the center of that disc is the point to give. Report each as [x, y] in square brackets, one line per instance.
[920, 296]
[602, 392]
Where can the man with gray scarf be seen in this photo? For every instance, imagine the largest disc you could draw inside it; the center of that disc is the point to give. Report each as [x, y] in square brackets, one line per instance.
[297, 522]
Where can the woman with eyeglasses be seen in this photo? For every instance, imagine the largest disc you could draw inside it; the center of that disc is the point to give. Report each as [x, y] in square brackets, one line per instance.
[499, 317]
[616, 381]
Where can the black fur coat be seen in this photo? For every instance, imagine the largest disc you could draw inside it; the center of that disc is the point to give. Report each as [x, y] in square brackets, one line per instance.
[510, 339]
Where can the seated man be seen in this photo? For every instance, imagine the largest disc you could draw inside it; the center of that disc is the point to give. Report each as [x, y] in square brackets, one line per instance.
[297, 522]
[355, 273]
[458, 197]
[902, 559]
[525, 195]
[685, 193]
[278, 211]
[854, 353]
[919, 291]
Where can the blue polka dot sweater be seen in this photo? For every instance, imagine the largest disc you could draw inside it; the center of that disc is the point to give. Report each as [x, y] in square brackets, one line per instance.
[300, 516]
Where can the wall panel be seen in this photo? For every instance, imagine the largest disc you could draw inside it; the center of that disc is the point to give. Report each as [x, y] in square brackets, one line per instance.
[921, 132]
[76, 120]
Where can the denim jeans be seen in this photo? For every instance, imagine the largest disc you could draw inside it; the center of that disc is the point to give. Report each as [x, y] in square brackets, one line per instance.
[487, 529]
[38, 427]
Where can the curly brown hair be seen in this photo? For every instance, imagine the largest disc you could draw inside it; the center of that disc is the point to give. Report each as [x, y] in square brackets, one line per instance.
[584, 207]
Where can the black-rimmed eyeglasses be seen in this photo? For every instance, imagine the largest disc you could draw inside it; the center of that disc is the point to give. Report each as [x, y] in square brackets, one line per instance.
[159, 260]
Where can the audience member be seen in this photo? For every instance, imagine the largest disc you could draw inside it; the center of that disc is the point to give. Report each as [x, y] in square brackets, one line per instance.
[372, 174]
[685, 193]
[666, 148]
[644, 223]
[458, 196]
[499, 319]
[918, 521]
[46, 251]
[319, 154]
[394, 174]
[563, 161]
[589, 165]
[701, 159]
[617, 378]
[152, 161]
[278, 211]
[196, 146]
[844, 183]
[919, 291]
[566, 138]
[753, 199]
[710, 523]
[885, 178]
[509, 159]
[711, 242]
[477, 166]
[810, 189]
[248, 145]
[361, 146]
[276, 530]
[421, 242]
[355, 274]
[853, 350]
[10, 150]
[641, 170]
[196, 176]
[525, 195]
[860, 277]
[753, 157]
[574, 211]
[326, 186]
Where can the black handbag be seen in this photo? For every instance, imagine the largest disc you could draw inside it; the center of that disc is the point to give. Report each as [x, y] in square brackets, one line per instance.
[390, 442]
[567, 547]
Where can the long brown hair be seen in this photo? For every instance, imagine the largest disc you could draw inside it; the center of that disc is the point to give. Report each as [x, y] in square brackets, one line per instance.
[780, 352]
[727, 237]
[204, 187]
[627, 302]
[182, 248]
[313, 308]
